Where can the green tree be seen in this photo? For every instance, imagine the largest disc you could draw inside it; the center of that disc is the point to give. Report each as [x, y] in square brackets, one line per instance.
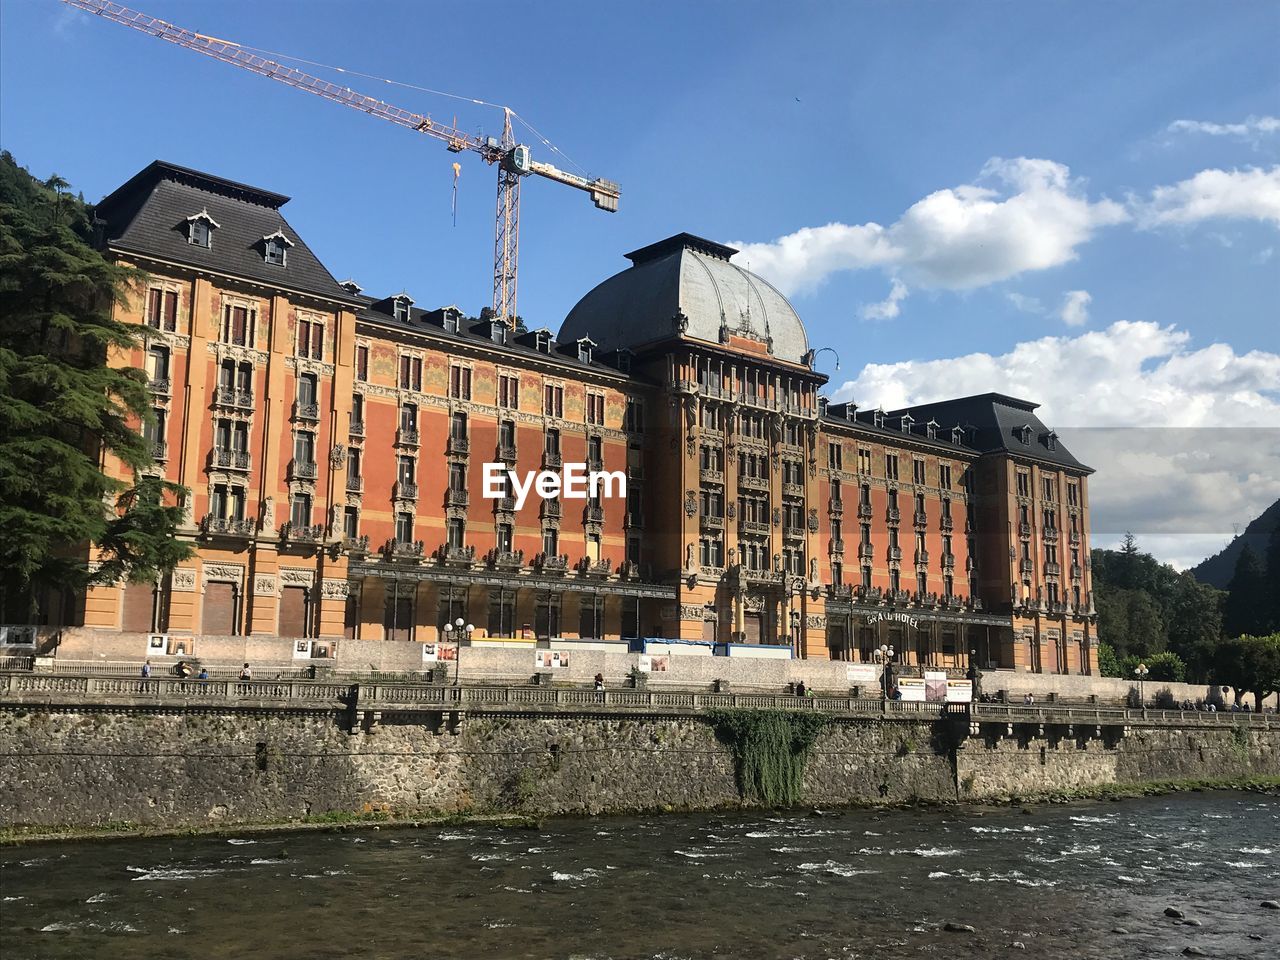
[1108, 662]
[1195, 625]
[1249, 663]
[1248, 604]
[1273, 578]
[1166, 666]
[62, 407]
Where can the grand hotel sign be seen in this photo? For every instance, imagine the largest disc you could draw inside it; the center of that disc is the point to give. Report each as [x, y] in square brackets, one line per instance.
[894, 616]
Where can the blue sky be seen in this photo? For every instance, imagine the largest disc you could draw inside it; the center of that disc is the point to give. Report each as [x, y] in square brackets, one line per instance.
[1137, 194]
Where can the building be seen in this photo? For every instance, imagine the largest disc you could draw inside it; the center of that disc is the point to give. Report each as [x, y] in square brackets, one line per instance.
[335, 447]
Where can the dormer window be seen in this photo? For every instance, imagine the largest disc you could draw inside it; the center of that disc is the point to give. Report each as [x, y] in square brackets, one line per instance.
[906, 422]
[931, 429]
[400, 307]
[851, 411]
[584, 349]
[877, 417]
[498, 332]
[1024, 434]
[274, 248]
[957, 435]
[542, 341]
[200, 227]
[1051, 440]
[624, 361]
[351, 287]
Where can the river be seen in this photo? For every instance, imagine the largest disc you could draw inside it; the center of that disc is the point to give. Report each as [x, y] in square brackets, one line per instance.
[1060, 880]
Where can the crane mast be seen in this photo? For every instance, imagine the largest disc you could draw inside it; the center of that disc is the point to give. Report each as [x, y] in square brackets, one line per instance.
[513, 159]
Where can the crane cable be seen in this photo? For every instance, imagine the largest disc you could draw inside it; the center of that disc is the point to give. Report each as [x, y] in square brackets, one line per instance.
[412, 86]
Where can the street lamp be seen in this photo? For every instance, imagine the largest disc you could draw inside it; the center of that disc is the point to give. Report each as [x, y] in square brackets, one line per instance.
[885, 656]
[1141, 671]
[463, 631]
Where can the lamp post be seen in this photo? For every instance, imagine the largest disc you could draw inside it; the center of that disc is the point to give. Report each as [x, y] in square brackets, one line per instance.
[463, 630]
[885, 656]
[1141, 671]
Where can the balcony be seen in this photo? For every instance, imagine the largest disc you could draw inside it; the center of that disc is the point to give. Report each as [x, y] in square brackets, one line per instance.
[865, 512]
[356, 546]
[356, 429]
[301, 532]
[898, 596]
[407, 437]
[840, 591]
[403, 550]
[302, 469]
[551, 459]
[160, 385]
[1024, 529]
[229, 460]
[159, 450]
[504, 505]
[456, 498]
[922, 558]
[948, 561]
[1076, 571]
[1026, 567]
[629, 570]
[456, 556]
[754, 526]
[921, 518]
[595, 464]
[306, 411]
[405, 490]
[753, 483]
[592, 514]
[233, 397]
[1074, 538]
[551, 509]
[893, 515]
[551, 563]
[1050, 534]
[505, 559]
[710, 522]
[946, 524]
[1059, 609]
[635, 471]
[837, 548]
[793, 489]
[866, 551]
[355, 484]
[595, 568]
[1052, 569]
[895, 553]
[869, 594]
[793, 533]
[226, 527]
[707, 475]
[634, 519]
[835, 506]
[507, 452]
[764, 576]
[459, 446]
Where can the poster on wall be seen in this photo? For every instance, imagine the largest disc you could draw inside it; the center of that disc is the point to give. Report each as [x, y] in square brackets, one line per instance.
[959, 691]
[935, 686]
[912, 689]
[157, 644]
[181, 647]
[550, 659]
[324, 650]
[864, 674]
[650, 663]
[302, 649]
[439, 652]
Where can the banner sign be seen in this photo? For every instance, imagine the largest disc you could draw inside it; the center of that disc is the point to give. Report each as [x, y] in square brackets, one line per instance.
[959, 691]
[912, 689]
[935, 686]
[651, 663]
[550, 659]
[864, 674]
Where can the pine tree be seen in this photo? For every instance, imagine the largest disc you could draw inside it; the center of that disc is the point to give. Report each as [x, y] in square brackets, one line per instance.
[62, 406]
[1273, 578]
[1248, 603]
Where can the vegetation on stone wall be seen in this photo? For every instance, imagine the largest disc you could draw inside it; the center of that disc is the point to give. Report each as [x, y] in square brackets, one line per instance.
[61, 406]
[770, 750]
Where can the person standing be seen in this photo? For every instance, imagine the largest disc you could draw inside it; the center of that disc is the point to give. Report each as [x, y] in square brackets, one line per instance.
[246, 673]
[146, 670]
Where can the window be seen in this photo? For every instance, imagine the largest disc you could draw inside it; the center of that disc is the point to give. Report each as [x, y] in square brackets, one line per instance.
[895, 579]
[1050, 488]
[508, 391]
[551, 541]
[551, 442]
[308, 388]
[200, 229]
[711, 458]
[792, 472]
[633, 420]
[835, 456]
[866, 578]
[1024, 483]
[400, 308]
[457, 477]
[633, 549]
[866, 534]
[712, 503]
[584, 350]
[507, 434]
[458, 426]
[917, 471]
[595, 451]
[891, 466]
[162, 309]
[542, 341]
[553, 401]
[304, 446]
[948, 585]
[357, 413]
[922, 583]
[274, 248]
[864, 495]
[237, 326]
[154, 429]
[362, 363]
[410, 373]
[310, 339]
[595, 409]
[504, 538]
[158, 363]
[456, 531]
[353, 463]
[404, 527]
[864, 460]
[460, 382]
[1073, 494]
[944, 476]
[711, 551]
[300, 510]
[837, 530]
[351, 522]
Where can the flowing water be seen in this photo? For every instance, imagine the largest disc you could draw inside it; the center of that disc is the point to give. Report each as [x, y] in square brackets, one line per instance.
[1059, 880]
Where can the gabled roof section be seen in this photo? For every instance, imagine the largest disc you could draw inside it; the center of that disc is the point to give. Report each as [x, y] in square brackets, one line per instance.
[148, 215]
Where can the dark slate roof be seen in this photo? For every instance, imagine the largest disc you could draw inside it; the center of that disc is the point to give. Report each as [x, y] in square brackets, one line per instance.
[690, 278]
[148, 215]
[864, 421]
[996, 423]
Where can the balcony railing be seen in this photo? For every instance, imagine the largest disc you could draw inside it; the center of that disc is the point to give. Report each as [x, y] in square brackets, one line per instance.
[595, 568]
[595, 464]
[456, 498]
[505, 504]
[837, 548]
[405, 490]
[551, 562]
[457, 445]
[593, 514]
[407, 437]
[893, 515]
[1052, 569]
[793, 533]
[160, 385]
[840, 591]
[302, 469]
[898, 596]
[356, 545]
[507, 452]
[306, 411]
[707, 475]
[711, 522]
[505, 559]
[793, 489]
[1024, 529]
[895, 553]
[835, 506]
[922, 557]
[635, 471]
[754, 526]
[921, 518]
[355, 483]
[552, 509]
[404, 550]
[301, 532]
[1050, 534]
[948, 561]
[1074, 537]
[946, 524]
[865, 511]
[356, 429]
[1076, 571]
[634, 518]
[230, 460]
[227, 526]
[1026, 566]
[753, 483]
[866, 551]
[224, 396]
[159, 450]
[456, 556]
[551, 459]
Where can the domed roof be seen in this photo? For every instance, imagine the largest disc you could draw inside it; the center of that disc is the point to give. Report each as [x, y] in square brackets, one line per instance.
[685, 285]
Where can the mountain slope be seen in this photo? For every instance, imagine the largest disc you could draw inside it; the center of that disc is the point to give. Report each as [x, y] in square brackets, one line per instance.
[1217, 570]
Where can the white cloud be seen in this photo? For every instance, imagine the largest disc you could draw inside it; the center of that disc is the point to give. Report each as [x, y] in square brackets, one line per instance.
[1024, 303]
[1075, 308]
[888, 308]
[1033, 218]
[1251, 128]
[1249, 194]
[1185, 439]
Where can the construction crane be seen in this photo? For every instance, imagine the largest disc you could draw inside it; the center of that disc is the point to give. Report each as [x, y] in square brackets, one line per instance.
[513, 159]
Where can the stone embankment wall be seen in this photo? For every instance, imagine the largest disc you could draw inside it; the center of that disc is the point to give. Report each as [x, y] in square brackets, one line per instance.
[63, 767]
